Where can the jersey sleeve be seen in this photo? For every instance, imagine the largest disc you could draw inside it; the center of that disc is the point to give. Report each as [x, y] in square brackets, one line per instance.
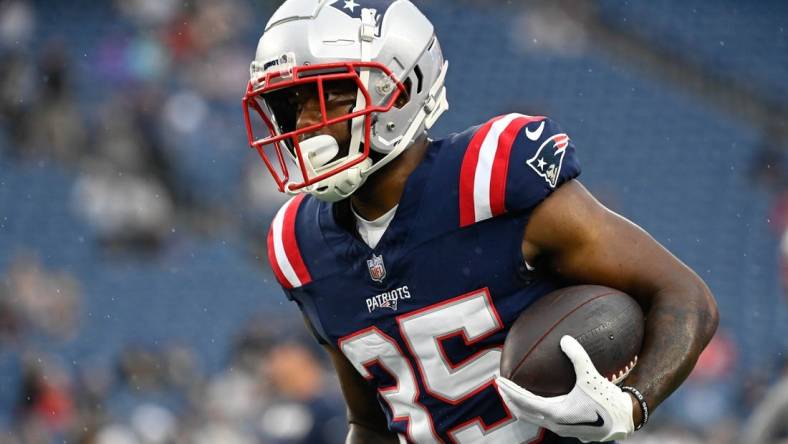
[288, 264]
[311, 328]
[542, 158]
[512, 163]
[284, 253]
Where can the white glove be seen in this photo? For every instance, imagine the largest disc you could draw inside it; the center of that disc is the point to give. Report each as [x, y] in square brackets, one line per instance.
[595, 409]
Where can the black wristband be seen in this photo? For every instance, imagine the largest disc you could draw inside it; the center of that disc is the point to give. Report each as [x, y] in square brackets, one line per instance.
[643, 406]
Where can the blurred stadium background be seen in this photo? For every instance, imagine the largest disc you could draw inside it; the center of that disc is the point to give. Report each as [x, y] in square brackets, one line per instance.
[135, 302]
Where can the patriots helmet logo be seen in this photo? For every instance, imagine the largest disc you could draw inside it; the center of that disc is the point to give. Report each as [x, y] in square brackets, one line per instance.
[549, 158]
[377, 269]
[353, 8]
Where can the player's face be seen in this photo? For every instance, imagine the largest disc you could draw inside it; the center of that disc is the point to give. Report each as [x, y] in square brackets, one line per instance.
[340, 98]
[298, 107]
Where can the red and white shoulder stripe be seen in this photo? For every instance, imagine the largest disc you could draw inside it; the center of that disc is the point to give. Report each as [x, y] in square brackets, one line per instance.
[283, 252]
[485, 168]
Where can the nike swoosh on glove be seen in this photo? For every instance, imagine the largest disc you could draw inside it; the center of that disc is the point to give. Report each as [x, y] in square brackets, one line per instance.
[595, 409]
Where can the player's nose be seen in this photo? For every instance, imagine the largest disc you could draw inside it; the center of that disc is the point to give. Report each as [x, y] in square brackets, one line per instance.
[309, 115]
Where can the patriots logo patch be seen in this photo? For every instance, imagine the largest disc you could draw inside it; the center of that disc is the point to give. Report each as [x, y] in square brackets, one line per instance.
[353, 7]
[549, 158]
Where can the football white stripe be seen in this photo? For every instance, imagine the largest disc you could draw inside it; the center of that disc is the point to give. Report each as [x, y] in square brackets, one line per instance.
[483, 174]
[279, 247]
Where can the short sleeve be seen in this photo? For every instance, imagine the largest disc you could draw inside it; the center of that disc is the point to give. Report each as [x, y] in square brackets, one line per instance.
[512, 163]
[542, 158]
[284, 253]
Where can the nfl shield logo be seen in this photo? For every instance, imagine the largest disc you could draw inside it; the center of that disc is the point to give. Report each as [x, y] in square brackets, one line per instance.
[377, 270]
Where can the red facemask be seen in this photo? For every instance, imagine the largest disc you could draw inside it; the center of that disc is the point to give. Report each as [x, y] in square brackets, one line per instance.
[281, 123]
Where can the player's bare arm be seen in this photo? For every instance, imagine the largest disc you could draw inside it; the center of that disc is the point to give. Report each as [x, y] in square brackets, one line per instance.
[366, 421]
[574, 236]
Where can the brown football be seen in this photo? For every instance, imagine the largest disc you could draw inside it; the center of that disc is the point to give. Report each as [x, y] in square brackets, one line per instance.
[608, 323]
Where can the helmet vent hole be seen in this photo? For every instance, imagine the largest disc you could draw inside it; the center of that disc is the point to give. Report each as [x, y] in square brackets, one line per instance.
[403, 99]
[419, 79]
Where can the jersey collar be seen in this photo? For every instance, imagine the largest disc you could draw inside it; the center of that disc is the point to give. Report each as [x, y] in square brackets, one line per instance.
[342, 238]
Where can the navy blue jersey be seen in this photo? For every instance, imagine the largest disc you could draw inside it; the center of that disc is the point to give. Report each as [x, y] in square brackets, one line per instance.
[423, 316]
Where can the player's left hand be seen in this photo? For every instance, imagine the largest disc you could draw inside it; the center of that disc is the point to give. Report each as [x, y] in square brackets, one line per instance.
[595, 409]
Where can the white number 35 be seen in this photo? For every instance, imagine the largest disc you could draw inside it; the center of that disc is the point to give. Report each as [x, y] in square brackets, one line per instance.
[472, 317]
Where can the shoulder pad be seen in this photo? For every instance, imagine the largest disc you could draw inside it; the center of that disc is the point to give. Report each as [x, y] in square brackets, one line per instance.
[512, 163]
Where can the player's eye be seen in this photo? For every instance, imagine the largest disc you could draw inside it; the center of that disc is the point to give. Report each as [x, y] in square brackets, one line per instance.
[337, 96]
[286, 105]
[340, 91]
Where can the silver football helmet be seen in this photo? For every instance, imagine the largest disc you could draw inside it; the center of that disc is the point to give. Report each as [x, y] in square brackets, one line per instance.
[386, 47]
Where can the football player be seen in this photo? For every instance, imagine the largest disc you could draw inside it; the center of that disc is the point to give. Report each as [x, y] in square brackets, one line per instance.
[410, 258]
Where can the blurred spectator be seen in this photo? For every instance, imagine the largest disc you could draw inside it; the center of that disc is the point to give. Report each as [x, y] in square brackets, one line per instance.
[260, 194]
[116, 434]
[10, 323]
[154, 424]
[185, 112]
[94, 382]
[768, 167]
[148, 12]
[17, 23]
[718, 360]
[705, 404]
[206, 26]
[129, 188]
[667, 434]
[128, 140]
[141, 369]
[234, 396]
[769, 422]
[214, 431]
[129, 213]
[41, 117]
[303, 411]
[778, 221]
[551, 28]
[294, 372]
[17, 74]
[49, 302]
[56, 127]
[252, 344]
[45, 399]
[182, 369]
